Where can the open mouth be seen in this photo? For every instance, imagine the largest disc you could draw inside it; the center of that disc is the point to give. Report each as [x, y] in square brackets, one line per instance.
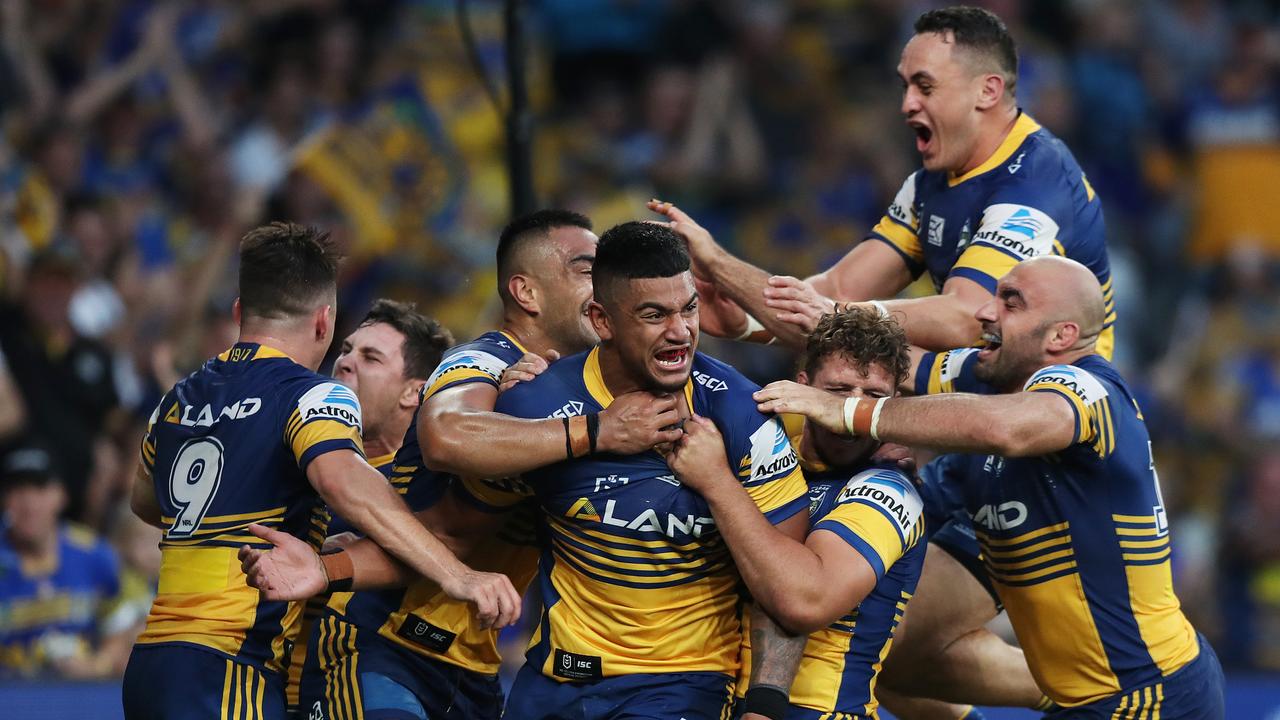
[673, 358]
[923, 136]
[991, 342]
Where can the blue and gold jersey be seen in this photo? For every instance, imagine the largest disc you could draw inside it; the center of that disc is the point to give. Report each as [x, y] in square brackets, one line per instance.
[55, 612]
[422, 618]
[229, 446]
[633, 574]
[1029, 198]
[877, 511]
[1077, 542]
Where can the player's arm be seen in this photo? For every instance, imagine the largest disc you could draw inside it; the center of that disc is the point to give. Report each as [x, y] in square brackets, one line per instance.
[1021, 424]
[788, 308]
[775, 658]
[142, 495]
[803, 583]
[459, 432]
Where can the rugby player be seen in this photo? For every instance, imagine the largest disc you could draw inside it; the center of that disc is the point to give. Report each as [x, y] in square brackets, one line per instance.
[640, 610]
[1062, 488]
[386, 361]
[414, 652]
[257, 436]
[995, 188]
[849, 581]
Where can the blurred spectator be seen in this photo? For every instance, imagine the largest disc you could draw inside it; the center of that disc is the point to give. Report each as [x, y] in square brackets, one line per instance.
[66, 380]
[58, 582]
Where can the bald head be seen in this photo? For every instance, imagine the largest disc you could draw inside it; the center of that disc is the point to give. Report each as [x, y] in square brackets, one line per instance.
[1069, 292]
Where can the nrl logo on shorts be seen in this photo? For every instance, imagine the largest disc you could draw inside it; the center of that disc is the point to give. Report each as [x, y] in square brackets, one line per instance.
[316, 712]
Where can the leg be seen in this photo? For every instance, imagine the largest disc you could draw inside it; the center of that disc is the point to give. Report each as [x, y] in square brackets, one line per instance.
[942, 649]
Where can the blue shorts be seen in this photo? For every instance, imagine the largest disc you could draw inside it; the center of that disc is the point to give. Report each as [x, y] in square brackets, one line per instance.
[1193, 692]
[656, 696]
[184, 682]
[357, 673]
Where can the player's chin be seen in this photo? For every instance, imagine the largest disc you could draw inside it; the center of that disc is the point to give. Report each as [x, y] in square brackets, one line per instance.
[669, 379]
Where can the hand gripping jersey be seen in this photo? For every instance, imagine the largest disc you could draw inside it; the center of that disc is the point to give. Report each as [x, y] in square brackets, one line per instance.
[876, 510]
[633, 574]
[421, 618]
[58, 612]
[1077, 542]
[226, 447]
[1029, 198]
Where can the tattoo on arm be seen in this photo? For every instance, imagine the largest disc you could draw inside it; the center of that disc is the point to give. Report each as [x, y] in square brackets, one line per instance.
[775, 653]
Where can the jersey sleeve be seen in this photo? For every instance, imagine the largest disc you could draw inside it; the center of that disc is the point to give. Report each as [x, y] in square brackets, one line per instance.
[946, 372]
[148, 449]
[900, 228]
[880, 515]
[1008, 233]
[770, 471]
[1089, 400]
[469, 363]
[325, 418]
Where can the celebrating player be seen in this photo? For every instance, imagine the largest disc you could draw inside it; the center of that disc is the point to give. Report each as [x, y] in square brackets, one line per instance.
[849, 582]
[1063, 492]
[256, 436]
[386, 361]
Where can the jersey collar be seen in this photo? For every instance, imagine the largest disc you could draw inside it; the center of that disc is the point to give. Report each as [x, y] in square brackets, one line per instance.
[513, 340]
[251, 351]
[1022, 128]
[594, 380]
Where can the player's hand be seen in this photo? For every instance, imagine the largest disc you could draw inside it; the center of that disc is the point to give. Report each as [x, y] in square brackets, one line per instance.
[899, 455]
[637, 421]
[698, 458]
[718, 315]
[795, 301]
[753, 716]
[702, 247]
[528, 367]
[820, 406]
[289, 571]
[495, 599]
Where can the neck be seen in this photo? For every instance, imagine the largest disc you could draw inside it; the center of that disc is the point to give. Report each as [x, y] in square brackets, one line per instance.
[614, 373]
[524, 328]
[991, 134]
[386, 438]
[301, 351]
[39, 551]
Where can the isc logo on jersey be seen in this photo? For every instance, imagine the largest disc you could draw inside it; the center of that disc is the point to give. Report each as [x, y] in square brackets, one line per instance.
[331, 401]
[771, 452]
[1024, 231]
[888, 491]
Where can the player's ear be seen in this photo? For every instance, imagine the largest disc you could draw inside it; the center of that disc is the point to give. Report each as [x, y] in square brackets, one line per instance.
[323, 318]
[410, 393]
[991, 92]
[600, 320]
[1064, 337]
[525, 293]
[802, 377]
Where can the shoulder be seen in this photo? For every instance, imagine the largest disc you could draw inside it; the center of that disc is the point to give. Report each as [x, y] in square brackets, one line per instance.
[490, 354]
[1074, 379]
[723, 394]
[559, 387]
[888, 490]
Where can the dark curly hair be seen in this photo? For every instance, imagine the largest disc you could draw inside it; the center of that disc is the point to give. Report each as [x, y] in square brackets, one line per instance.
[425, 339]
[862, 336]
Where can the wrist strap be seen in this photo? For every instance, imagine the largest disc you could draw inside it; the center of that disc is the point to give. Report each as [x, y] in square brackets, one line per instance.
[753, 327]
[880, 308]
[766, 700]
[568, 440]
[593, 430]
[338, 569]
[862, 416]
[579, 436]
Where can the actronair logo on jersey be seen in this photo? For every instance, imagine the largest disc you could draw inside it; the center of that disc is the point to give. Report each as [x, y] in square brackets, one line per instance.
[771, 452]
[330, 401]
[1021, 230]
[486, 363]
[888, 492]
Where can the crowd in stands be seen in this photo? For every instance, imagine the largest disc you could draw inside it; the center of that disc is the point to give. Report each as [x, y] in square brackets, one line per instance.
[140, 139]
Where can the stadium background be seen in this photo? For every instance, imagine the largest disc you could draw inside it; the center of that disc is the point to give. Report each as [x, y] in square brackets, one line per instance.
[141, 139]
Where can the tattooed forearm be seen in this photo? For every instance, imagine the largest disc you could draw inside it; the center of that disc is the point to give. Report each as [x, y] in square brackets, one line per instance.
[775, 653]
